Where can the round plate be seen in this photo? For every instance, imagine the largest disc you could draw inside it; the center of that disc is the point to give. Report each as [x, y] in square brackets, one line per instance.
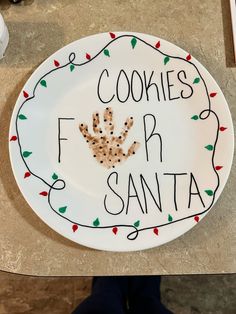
[121, 141]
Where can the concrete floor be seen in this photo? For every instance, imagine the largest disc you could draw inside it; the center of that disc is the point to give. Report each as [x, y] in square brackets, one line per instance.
[182, 294]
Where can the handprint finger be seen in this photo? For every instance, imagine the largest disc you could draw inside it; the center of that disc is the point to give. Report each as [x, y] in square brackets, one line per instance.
[96, 122]
[133, 148]
[84, 130]
[127, 125]
[108, 120]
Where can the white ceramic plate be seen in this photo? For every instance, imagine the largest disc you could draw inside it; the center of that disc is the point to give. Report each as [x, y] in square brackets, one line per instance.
[121, 141]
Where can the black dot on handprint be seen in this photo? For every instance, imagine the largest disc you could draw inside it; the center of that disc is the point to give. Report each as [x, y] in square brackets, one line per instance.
[107, 148]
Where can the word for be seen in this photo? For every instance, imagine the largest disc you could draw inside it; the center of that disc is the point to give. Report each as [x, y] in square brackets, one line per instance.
[149, 123]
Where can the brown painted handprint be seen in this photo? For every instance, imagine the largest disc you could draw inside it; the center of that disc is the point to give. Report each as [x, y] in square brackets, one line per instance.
[105, 145]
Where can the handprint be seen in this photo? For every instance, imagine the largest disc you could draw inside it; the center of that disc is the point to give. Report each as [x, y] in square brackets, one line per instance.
[106, 146]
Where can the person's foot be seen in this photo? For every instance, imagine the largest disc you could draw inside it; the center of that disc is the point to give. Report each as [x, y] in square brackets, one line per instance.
[111, 284]
[109, 296]
[145, 296]
[144, 285]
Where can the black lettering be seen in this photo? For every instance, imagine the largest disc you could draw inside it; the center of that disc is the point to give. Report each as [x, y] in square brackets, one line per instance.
[190, 87]
[192, 179]
[162, 85]
[147, 138]
[133, 87]
[170, 85]
[175, 188]
[154, 199]
[117, 86]
[148, 84]
[105, 198]
[98, 88]
[131, 182]
[59, 138]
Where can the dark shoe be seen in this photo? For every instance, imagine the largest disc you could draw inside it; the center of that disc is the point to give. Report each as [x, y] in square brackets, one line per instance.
[145, 296]
[109, 296]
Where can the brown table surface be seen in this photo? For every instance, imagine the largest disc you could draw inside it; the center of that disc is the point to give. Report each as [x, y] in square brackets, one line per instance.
[39, 28]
